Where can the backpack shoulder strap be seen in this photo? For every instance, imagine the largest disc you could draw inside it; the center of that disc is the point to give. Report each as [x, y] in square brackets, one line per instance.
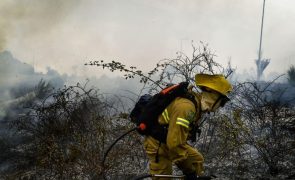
[191, 97]
[194, 127]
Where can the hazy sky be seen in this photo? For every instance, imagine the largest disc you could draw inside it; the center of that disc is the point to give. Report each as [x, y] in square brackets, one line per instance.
[64, 34]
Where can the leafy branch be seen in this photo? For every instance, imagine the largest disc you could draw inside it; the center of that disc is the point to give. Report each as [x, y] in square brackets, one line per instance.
[181, 68]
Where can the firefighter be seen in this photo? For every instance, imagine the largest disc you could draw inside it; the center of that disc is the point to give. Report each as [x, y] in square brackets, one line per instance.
[180, 116]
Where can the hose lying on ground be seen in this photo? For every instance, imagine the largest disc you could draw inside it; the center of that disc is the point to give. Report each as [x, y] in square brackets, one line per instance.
[111, 146]
[143, 176]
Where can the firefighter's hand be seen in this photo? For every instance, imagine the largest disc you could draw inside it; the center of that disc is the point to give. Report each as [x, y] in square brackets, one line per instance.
[191, 176]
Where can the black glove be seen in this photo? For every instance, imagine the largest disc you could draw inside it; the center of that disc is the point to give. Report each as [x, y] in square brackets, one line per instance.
[191, 176]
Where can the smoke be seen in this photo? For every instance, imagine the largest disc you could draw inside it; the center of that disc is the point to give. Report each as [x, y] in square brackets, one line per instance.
[17, 75]
[18, 79]
[29, 17]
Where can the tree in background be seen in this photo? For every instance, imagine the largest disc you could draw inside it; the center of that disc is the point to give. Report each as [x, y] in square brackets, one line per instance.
[291, 75]
[261, 65]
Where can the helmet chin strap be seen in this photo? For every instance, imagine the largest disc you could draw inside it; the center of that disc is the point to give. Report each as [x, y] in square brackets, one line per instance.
[219, 98]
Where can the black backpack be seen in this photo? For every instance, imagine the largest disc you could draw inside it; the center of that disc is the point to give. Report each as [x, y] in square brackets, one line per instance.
[148, 108]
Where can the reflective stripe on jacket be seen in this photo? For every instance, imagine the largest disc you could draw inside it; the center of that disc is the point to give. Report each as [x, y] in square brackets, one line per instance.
[179, 115]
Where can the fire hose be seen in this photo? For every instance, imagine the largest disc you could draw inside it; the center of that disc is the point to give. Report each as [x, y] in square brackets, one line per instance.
[169, 176]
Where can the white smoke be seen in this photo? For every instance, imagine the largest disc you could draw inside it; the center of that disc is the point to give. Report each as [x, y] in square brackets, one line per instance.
[26, 18]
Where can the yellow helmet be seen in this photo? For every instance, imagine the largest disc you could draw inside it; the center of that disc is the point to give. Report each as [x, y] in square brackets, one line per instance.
[215, 82]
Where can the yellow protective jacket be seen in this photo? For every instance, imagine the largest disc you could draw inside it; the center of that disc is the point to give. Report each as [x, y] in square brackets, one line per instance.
[180, 114]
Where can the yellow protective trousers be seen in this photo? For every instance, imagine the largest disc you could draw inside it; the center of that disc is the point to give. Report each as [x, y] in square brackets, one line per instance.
[160, 161]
